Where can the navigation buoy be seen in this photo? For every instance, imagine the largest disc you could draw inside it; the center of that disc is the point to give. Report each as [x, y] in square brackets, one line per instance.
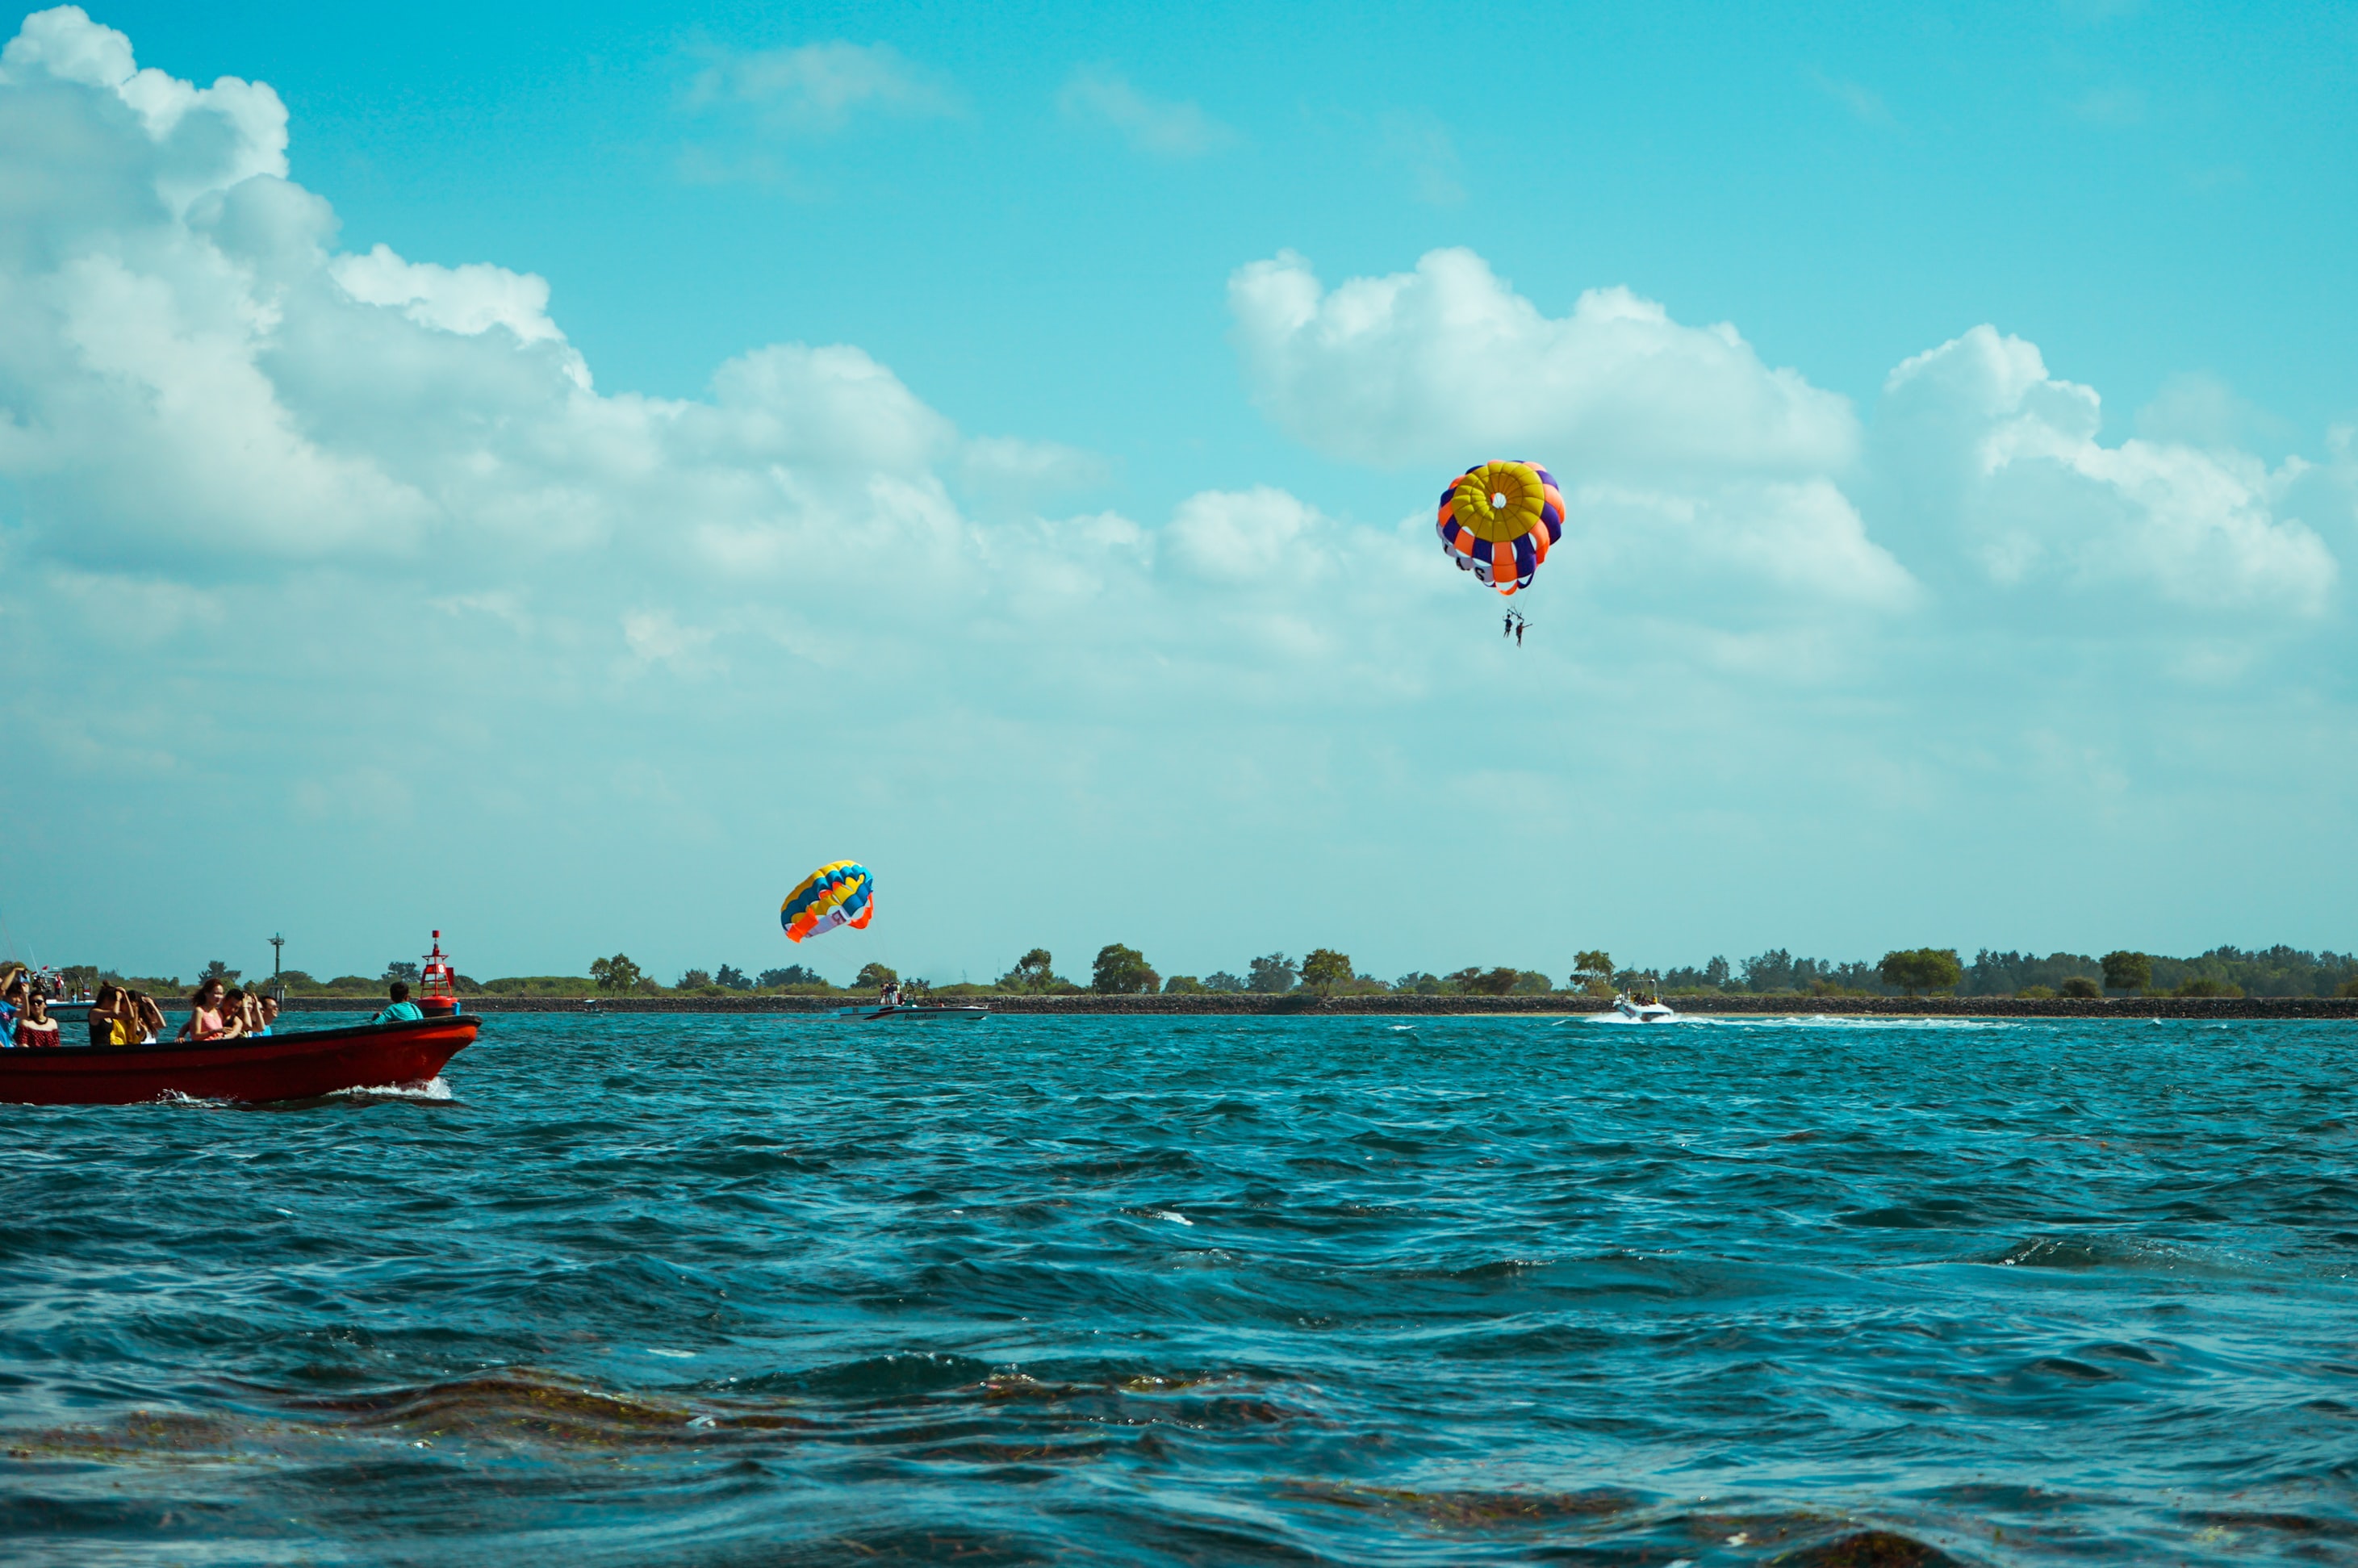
[438, 984]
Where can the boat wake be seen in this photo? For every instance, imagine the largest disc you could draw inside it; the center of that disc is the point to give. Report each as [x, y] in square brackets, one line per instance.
[435, 1088]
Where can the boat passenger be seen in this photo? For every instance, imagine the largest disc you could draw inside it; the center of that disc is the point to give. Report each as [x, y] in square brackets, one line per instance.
[234, 1013]
[205, 1013]
[268, 1015]
[106, 1010]
[122, 1016]
[36, 1029]
[12, 991]
[401, 1007]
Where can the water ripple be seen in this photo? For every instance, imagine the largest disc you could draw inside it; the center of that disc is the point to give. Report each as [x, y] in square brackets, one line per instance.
[1268, 1290]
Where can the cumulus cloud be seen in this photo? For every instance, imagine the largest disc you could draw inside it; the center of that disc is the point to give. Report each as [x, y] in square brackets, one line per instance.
[1427, 366]
[209, 388]
[818, 88]
[471, 298]
[201, 138]
[1683, 455]
[1163, 128]
[1979, 449]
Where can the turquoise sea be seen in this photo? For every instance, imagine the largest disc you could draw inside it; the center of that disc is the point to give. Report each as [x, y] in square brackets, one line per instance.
[739, 1291]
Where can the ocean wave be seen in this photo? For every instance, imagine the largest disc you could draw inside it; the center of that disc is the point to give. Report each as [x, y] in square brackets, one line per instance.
[1472, 1291]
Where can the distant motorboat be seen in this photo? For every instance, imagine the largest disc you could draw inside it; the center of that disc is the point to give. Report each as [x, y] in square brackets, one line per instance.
[909, 1012]
[1625, 1009]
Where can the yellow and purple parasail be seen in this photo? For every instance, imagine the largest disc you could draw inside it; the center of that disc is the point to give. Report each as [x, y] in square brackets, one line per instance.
[842, 894]
[1499, 520]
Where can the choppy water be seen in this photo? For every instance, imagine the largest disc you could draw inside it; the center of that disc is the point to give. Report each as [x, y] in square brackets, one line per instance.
[761, 1290]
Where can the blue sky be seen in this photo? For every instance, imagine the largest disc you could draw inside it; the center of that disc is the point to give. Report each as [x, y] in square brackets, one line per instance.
[998, 445]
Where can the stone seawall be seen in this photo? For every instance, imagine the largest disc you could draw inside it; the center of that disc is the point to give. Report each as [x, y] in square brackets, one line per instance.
[1396, 1005]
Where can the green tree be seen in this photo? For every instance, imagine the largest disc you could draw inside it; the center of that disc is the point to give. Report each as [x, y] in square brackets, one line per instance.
[1918, 969]
[2207, 985]
[1592, 966]
[1325, 969]
[217, 970]
[693, 980]
[1122, 971]
[1478, 981]
[1183, 985]
[1224, 982]
[1272, 974]
[872, 976]
[2081, 988]
[1035, 971]
[616, 974]
[729, 978]
[2128, 971]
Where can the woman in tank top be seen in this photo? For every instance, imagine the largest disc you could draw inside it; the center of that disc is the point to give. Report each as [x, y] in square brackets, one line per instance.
[205, 1013]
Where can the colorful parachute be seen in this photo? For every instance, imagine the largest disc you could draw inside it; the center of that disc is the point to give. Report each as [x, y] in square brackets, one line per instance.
[1497, 521]
[843, 893]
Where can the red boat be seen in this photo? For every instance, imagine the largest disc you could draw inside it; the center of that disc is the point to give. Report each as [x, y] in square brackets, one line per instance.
[297, 1065]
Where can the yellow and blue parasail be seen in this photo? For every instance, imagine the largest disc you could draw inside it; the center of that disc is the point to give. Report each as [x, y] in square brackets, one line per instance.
[843, 893]
[1497, 521]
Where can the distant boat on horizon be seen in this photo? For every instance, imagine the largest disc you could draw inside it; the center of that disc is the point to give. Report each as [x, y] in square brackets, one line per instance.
[1652, 1010]
[912, 1012]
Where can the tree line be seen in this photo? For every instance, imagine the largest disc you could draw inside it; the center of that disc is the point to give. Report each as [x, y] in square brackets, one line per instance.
[1119, 969]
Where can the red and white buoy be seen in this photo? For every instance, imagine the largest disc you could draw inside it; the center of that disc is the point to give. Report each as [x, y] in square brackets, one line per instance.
[438, 984]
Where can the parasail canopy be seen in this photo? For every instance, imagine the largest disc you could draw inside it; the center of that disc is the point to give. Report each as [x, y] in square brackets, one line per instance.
[842, 894]
[1498, 519]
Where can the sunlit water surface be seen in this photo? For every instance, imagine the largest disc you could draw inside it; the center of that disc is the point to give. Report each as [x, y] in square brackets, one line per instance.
[1211, 1291]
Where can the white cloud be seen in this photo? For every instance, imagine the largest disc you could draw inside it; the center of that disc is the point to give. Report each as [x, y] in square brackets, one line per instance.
[1166, 129]
[466, 299]
[203, 138]
[2201, 410]
[1449, 362]
[817, 89]
[1978, 445]
[1683, 457]
[1014, 474]
[1241, 537]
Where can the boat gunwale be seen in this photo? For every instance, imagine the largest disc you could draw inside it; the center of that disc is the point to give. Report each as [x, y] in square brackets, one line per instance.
[29, 1056]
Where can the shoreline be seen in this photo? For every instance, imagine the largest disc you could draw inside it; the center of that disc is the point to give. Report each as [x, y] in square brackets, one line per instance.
[2222, 1008]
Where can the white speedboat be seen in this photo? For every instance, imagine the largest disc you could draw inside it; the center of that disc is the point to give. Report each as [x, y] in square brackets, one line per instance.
[1627, 1011]
[908, 1012]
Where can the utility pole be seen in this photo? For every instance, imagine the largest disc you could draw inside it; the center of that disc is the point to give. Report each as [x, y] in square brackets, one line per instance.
[277, 951]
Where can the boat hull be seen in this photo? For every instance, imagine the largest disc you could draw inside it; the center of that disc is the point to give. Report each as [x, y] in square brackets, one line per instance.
[913, 1014]
[297, 1065]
